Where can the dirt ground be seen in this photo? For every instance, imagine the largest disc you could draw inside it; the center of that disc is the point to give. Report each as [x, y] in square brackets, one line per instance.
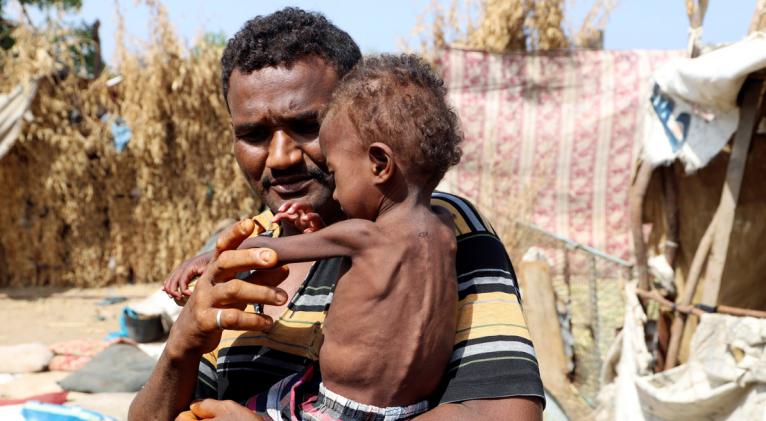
[49, 315]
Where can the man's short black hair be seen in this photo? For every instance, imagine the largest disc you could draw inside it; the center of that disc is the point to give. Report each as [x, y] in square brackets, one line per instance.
[284, 37]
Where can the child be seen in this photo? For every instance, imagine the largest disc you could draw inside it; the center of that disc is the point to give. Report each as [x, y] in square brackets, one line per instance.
[388, 137]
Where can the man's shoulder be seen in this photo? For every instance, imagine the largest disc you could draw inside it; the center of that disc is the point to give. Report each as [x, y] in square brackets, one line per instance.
[466, 217]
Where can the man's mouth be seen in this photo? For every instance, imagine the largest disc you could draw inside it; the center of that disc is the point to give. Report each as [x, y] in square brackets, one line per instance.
[292, 185]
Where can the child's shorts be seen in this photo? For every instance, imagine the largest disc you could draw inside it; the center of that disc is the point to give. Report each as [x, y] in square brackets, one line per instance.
[328, 405]
[302, 396]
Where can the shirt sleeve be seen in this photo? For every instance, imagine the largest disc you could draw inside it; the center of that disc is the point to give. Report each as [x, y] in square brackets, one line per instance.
[207, 379]
[493, 356]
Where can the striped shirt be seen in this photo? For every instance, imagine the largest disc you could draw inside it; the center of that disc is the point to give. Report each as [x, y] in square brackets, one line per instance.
[492, 357]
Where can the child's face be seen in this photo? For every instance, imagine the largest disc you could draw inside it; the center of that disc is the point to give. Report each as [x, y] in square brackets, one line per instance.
[348, 161]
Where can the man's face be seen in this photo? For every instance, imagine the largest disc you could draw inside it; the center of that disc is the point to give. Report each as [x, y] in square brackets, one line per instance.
[274, 114]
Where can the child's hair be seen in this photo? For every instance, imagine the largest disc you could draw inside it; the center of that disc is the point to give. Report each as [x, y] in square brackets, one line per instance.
[399, 101]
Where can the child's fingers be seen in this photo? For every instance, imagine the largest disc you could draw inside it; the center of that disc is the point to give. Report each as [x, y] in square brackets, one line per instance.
[314, 220]
[184, 286]
[171, 286]
[295, 207]
[285, 216]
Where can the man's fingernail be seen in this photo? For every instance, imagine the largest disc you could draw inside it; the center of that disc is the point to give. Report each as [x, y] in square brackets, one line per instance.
[281, 296]
[243, 226]
[266, 255]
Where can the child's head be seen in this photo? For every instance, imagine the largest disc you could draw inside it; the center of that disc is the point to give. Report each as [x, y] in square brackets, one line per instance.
[387, 124]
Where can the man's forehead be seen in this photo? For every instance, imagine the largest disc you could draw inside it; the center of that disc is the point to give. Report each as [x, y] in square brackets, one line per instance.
[304, 85]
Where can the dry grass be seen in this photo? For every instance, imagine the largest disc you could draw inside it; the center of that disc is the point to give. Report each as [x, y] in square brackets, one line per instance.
[502, 26]
[79, 213]
[758, 22]
[591, 32]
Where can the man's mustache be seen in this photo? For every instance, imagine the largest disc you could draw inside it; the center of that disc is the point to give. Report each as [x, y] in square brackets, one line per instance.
[314, 173]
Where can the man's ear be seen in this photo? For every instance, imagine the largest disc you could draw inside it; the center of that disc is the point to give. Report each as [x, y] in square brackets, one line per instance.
[381, 161]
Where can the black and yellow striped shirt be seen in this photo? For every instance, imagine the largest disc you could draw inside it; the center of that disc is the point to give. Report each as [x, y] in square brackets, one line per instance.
[493, 355]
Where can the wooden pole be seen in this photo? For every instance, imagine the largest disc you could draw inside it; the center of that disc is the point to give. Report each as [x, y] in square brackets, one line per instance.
[690, 309]
[677, 328]
[637, 194]
[542, 319]
[670, 204]
[748, 118]
[669, 198]
[695, 10]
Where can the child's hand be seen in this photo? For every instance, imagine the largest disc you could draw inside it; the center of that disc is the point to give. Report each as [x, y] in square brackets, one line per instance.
[301, 215]
[177, 284]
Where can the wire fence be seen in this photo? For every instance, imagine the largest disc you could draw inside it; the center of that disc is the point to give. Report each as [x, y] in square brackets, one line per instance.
[588, 285]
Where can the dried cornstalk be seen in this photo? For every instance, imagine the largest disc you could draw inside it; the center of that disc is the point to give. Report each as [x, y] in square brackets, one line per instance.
[696, 10]
[591, 32]
[501, 26]
[758, 22]
[76, 212]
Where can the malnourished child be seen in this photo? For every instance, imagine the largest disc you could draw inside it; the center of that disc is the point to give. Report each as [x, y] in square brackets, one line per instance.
[388, 136]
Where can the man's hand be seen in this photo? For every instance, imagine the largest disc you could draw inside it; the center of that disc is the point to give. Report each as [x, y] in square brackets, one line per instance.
[301, 215]
[218, 301]
[210, 409]
[177, 284]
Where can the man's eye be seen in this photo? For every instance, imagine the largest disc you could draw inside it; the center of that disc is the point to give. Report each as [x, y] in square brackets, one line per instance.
[306, 128]
[255, 136]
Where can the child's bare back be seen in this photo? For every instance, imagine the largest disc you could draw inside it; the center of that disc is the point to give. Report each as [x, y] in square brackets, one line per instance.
[389, 332]
[392, 321]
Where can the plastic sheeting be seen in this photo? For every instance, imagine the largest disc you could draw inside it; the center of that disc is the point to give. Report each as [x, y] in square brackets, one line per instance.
[693, 110]
[13, 106]
[724, 378]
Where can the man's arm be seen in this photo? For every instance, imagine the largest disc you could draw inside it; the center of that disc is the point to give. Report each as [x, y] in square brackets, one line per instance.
[173, 372]
[343, 238]
[516, 408]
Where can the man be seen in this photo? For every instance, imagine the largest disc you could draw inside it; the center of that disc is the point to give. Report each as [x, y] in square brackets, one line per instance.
[278, 73]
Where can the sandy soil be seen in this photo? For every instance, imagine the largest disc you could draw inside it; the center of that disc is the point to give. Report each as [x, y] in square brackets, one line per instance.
[49, 315]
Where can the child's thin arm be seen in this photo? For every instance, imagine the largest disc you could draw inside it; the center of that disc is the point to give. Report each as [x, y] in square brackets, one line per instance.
[345, 238]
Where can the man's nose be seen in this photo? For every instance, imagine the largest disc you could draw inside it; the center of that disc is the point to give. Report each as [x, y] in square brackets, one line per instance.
[283, 151]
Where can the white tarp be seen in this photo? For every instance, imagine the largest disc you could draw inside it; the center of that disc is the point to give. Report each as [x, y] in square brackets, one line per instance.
[724, 379]
[13, 106]
[692, 112]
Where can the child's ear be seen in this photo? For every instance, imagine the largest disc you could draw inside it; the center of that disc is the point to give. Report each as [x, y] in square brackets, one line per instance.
[381, 161]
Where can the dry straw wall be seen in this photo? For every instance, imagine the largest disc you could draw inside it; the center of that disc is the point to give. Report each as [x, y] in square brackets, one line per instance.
[75, 211]
[505, 26]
